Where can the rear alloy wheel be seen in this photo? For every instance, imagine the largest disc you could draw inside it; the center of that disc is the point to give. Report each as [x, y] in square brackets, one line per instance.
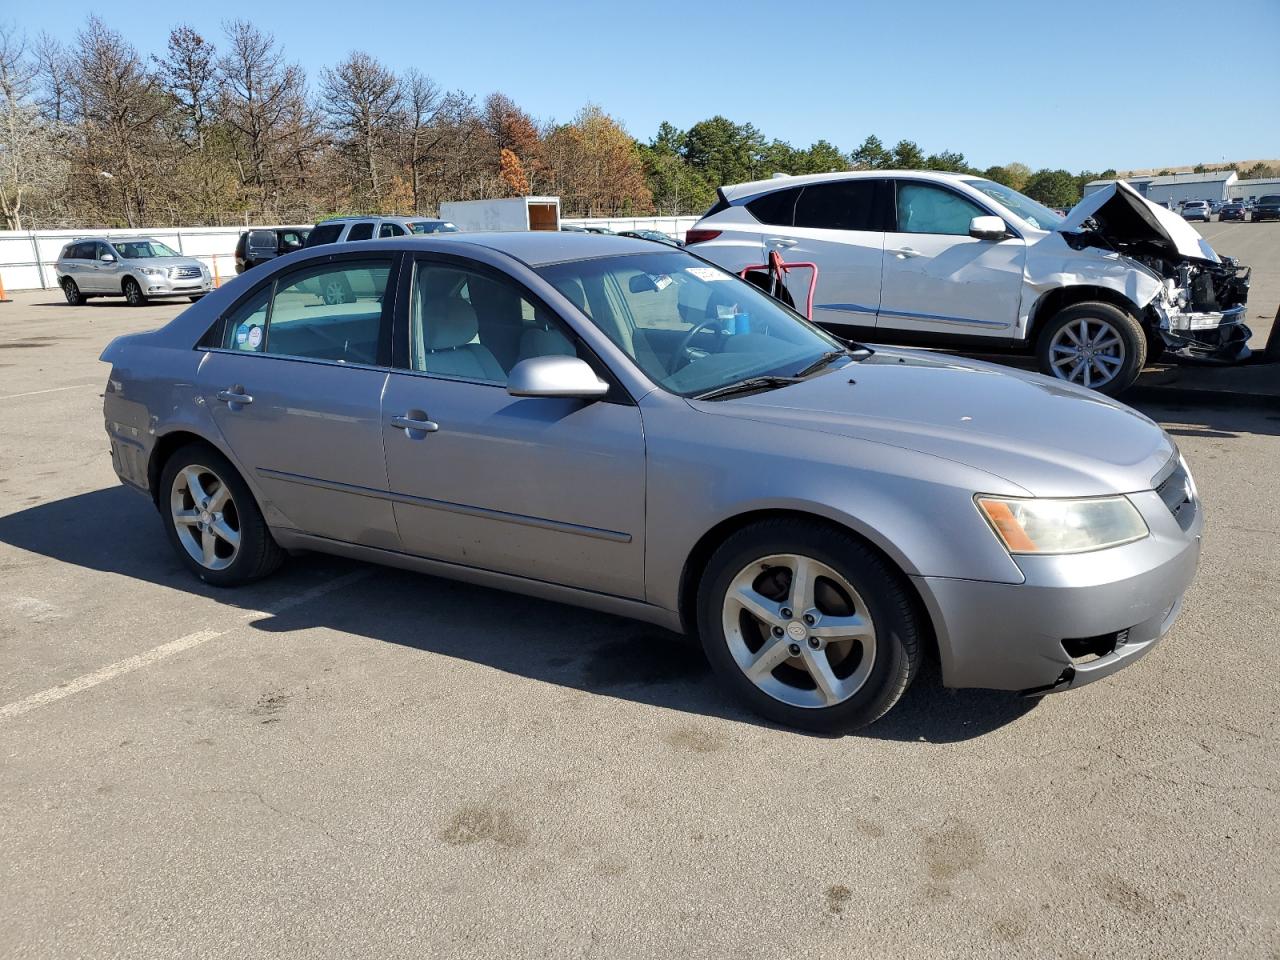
[133, 293]
[72, 292]
[213, 520]
[808, 625]
[1095, 345]
[337, 290]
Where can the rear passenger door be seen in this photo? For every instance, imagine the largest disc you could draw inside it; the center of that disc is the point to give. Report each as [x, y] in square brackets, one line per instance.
[294, 382]
[839, 225]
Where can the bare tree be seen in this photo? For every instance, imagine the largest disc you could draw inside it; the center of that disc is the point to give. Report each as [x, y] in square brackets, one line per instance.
[420, 131]
[28, 158]
[119, 108]
[361, 101]
[262, 100]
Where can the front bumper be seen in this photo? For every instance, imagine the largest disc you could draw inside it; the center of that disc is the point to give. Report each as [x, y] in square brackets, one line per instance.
[1108, 608]
[1220, 336]
[168, 287]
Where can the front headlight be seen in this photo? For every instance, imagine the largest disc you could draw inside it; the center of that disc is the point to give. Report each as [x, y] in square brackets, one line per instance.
[1062, 526]
[153, 271]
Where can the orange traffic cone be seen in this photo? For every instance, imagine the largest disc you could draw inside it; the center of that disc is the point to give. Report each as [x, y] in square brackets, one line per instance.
[4, 297]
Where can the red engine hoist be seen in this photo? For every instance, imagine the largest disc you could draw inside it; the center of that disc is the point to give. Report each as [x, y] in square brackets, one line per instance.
[778, 270]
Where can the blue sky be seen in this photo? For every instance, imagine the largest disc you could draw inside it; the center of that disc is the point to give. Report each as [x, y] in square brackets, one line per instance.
[1080, 84]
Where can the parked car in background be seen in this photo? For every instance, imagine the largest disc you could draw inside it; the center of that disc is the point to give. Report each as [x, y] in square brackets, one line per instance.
[255, 247]
[1197, 210]
[136, 268]
[955, 260]
[573, 417]
[572, 228]
[657, 236]
[1267, 208]
[351, 229]
[1233, 210]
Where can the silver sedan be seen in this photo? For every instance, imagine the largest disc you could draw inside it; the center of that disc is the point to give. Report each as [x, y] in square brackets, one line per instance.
[608, 423]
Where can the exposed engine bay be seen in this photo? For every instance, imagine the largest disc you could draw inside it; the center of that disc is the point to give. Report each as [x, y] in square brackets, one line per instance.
[1200, 309]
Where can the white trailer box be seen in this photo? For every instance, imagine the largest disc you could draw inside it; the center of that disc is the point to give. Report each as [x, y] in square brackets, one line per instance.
[512, 213]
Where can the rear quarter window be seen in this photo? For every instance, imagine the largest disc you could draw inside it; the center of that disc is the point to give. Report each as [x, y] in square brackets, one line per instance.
[776, 208]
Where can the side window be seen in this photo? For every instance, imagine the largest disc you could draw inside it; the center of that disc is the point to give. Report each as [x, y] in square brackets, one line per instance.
[777, 208]
[328, 312]
[360, 231]
[923, 208]
[103, 250]
[468, 324]
[841, 205]
[325, 233]
[390, 230]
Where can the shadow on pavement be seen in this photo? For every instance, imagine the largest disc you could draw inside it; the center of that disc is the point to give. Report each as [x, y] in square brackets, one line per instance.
[116, 531]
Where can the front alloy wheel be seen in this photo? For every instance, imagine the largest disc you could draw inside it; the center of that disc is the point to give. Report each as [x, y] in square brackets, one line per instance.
[133, 293]
[799, 631]
[808, 624]
[1095, 345]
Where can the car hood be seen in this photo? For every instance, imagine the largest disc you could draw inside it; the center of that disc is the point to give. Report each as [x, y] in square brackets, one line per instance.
[1048, 437]
[1123, 216]
[163, 262]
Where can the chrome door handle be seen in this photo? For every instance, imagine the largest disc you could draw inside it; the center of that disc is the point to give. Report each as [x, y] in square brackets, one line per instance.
[781, 242]
[409, 424]
[235, 395]
[902, 253]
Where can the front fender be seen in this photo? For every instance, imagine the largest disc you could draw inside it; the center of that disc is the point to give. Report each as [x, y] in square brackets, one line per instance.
[915, 507]
[1053, 265]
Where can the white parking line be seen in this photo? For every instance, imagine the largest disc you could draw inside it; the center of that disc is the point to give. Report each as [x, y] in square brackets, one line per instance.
[156, 654]
[36, 393]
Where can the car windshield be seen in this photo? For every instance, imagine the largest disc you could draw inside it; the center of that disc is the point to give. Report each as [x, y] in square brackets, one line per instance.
[142, 249]
[1036, 214]
[432, 226]
[690, 326]
[1270, 200]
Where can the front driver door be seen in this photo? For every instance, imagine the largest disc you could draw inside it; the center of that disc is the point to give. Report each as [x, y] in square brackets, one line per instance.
[294, 383]
[937, 278]
[548, 489]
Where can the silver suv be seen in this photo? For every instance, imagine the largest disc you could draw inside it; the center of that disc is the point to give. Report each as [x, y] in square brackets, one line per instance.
[348, 229]
[136, 268]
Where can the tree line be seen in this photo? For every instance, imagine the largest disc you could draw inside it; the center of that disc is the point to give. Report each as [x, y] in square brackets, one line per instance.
[228, 130]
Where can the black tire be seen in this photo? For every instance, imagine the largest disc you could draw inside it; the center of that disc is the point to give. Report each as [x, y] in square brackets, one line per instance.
[197, 298]
[258, 553]
[133, 293]
[884, 593]
[761, 280]
[1125, 325]
[72, 292]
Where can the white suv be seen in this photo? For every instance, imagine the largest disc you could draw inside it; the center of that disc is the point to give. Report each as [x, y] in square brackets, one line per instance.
[956, 260]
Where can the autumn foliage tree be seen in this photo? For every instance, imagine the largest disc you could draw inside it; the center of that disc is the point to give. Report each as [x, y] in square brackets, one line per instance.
[512, 173]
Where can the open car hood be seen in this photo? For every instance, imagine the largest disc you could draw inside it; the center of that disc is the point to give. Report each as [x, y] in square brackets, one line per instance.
[1123, 217]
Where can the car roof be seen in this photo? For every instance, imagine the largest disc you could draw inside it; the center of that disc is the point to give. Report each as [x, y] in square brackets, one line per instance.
[532, 247]
[752, 187]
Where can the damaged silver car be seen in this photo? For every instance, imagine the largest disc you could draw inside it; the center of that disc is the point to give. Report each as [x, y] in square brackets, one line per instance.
[952, 260]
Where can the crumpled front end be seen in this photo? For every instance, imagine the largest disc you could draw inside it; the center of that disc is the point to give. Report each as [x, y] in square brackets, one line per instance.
[1200, 312]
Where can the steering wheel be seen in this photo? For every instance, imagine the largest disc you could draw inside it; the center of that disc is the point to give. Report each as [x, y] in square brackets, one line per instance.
[681, 358]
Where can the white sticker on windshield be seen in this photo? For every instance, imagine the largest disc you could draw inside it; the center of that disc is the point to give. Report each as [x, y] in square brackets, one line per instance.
[706, 273]
[660, 281]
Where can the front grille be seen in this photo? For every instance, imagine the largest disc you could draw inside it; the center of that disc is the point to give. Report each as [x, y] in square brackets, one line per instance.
[1175, 491]
[184, 273]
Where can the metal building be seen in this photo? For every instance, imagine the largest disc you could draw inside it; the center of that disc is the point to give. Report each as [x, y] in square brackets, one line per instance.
[1177, 187]
[1138, 183]
[1253, 189]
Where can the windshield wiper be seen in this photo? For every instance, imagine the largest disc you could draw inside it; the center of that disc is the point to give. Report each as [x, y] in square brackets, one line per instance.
[860, 352]
[748, 385]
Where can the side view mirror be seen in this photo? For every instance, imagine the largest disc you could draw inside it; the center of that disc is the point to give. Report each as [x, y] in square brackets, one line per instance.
[556, 376]
[988, 228]
[107, 258]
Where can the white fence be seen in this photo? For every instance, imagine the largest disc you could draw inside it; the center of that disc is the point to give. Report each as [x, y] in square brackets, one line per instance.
[27, 257]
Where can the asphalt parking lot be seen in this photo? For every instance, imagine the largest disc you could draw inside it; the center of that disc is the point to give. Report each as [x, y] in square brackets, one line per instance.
[348, 761]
